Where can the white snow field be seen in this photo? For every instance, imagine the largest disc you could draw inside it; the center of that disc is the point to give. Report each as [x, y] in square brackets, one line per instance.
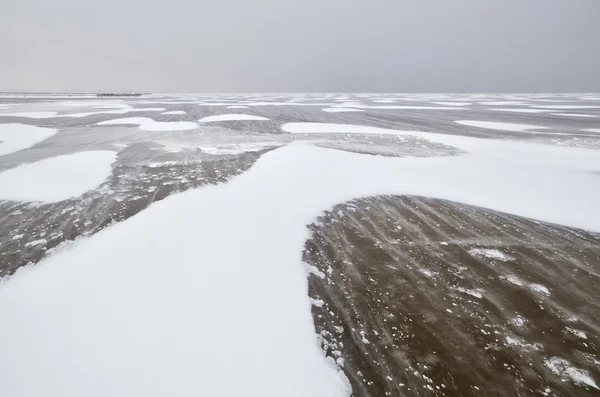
[15, 137]
[205, 292]
[232, 117]
[492, 125]
[57, 178]
[147, 124]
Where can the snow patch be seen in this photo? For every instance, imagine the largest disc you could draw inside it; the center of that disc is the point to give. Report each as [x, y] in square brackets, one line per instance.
[540, 288]
[341, 110]
[57, 178]
[564, 369]
[175, 112]
[15, 137]
[331, 128]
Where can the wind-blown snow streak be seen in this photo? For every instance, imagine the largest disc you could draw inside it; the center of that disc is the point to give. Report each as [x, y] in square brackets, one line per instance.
[15, 137]
[232, 117]
[148, 124]
[205, 292]
[492, 125]
[56, 178]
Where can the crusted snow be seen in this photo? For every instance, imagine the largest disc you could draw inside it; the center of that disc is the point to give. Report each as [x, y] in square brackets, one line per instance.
[493, 125]
[56, 178]
[15, 137]
[178, 292]
[148, 124]
[232, 117]
[564, 369]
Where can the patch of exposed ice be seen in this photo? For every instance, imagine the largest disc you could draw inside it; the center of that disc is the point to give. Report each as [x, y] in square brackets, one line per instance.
[147, 124]
[232, 117]
[237, 148]
[490, 254]
[341, 110]
[492, 125]
[175, 112]
[15, 137]
[57, 178]
[564, 369]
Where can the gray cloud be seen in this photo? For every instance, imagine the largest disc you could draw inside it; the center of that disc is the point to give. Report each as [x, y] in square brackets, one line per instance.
[308, 45]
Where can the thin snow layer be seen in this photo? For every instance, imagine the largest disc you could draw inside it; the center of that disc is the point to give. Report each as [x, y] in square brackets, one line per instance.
[594, 130]
[237, 148]
[237, 107]
[341, 110]
[57, 178]
[174, 112]
[492, 125]
[205, 292]
[490, 254]
[567, 107]
[148, 124]
[452, 103]
[232, 117]
[15, 137]
[331, 128]
[575, 115]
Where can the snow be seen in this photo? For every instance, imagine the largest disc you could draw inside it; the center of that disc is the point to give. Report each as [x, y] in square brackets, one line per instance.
[33, 115]
[539, 288]
[594, 130]
[340, 110]
[575, 115]
[237, 148]
[452, 103]
[48, 115]
[175, 112]
[147, 124]
[567, 107]
[237, 107]
[42, 241]
[57, 178]
[522, 110]
[577, 333]
[330, 128]
[232, 117]
[15, 137]
[188, 315]
[490, 254]
[492, 125]
[563, 368]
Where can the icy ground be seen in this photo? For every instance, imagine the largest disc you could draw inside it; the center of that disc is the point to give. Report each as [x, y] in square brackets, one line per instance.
[205, 292]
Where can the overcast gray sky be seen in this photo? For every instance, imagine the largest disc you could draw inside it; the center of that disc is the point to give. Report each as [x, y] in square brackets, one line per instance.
[300, 45]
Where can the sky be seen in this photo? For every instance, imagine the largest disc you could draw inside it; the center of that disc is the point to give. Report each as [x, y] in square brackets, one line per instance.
[300, 45]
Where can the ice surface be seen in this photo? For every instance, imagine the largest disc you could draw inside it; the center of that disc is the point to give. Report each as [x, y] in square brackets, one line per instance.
[56, 178]
[161, 304]
[231, 117]
[492, 125]
[15, 137]
[148, 124]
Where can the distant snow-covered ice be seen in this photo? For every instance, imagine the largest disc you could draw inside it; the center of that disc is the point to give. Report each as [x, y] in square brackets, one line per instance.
[148, 124]
[232, 117]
